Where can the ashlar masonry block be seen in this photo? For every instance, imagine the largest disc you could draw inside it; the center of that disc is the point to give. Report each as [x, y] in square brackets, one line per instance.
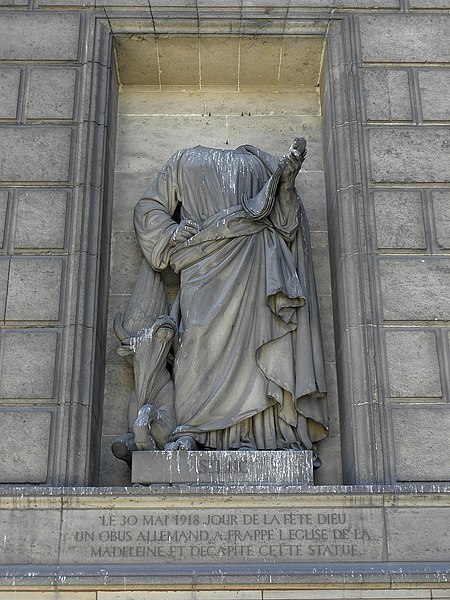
[41, 218]
[3, 214]
[259, 63]
[143, 143]
[34, 289]
[435, 92]
[35, 153]
[9, 91]
[214, 67]
[441, 208]
[415, 288]
[399, 219]
[387, 96]
[51, 94]
[24, 442]
[409, 155]
[413, 365]
[39, 36]
[422, 448]
[28, 362]
[405, 38]
[4, 273]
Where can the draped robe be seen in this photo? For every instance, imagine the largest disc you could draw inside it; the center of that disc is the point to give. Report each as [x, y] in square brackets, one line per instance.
[248, 370]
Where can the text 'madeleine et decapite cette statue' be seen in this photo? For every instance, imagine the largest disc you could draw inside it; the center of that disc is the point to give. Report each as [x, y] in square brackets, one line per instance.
[237, 363]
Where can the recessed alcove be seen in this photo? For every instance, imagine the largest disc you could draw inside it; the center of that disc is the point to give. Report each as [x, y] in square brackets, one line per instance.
[178, 91]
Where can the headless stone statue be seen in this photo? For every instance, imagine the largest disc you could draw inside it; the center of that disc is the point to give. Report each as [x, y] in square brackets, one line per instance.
[244, 331]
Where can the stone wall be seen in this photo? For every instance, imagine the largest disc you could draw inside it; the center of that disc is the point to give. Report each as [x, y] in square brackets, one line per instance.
[389, 248]
[406, 129]
[51, 192]
[384, 88]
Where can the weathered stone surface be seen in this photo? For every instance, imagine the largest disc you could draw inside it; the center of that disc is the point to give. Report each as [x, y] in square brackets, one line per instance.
[350, 594]
[326, 323]
[128, 188]
[142, 141]
[113, 471]
[294, 73]
[24, 462]
[221, 535]
[387, 95]
[28, 363]
[261, 103]
[3, 214]
[311, 187]
[434, 91]
[178, 61]
[187, 595]
[322, 270]
[330, 452]
[147, 101]
[405, 38]
[126, 260]
[227, 62]
[35, 36]
[41, 218]
[403, 544]
[35, 541]
[406, 155]
[65, 3]
[137, 531]
[429, 3]
[259, 63]
[219, 61]
[35, 153]
[4, 273]
[119, 382]
[415, 288]
[9, 91]
[277, 129]
[413, 364]
[399, 219]
[422, 448]
[245, 467]
[52, 91]
[441, 208]
[137, 67]
[34, 289]
[14, 3]
[51, 595]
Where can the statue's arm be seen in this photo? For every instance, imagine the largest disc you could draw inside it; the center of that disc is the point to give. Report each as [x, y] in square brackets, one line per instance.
[285, 213]
[156, 231]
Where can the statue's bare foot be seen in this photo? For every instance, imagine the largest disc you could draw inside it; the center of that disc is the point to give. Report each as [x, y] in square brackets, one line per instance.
[185, 442]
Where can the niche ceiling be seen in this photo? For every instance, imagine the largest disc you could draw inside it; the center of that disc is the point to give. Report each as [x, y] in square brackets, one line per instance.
[275, 63]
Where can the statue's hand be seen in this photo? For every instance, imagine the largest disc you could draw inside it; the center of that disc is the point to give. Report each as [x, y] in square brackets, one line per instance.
[291, 162]
[185, 230]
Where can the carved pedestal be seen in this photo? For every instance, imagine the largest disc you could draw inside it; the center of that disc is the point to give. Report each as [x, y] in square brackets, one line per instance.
[239, 467]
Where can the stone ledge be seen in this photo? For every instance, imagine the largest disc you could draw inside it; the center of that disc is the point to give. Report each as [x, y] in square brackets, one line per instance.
[331, 576]
[437, 492]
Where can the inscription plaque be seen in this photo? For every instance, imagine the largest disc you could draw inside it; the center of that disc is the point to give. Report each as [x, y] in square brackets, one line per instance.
[227, 535]
[137, 536]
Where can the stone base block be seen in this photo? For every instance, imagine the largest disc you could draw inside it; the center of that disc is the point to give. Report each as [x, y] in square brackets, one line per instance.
[238, 467]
